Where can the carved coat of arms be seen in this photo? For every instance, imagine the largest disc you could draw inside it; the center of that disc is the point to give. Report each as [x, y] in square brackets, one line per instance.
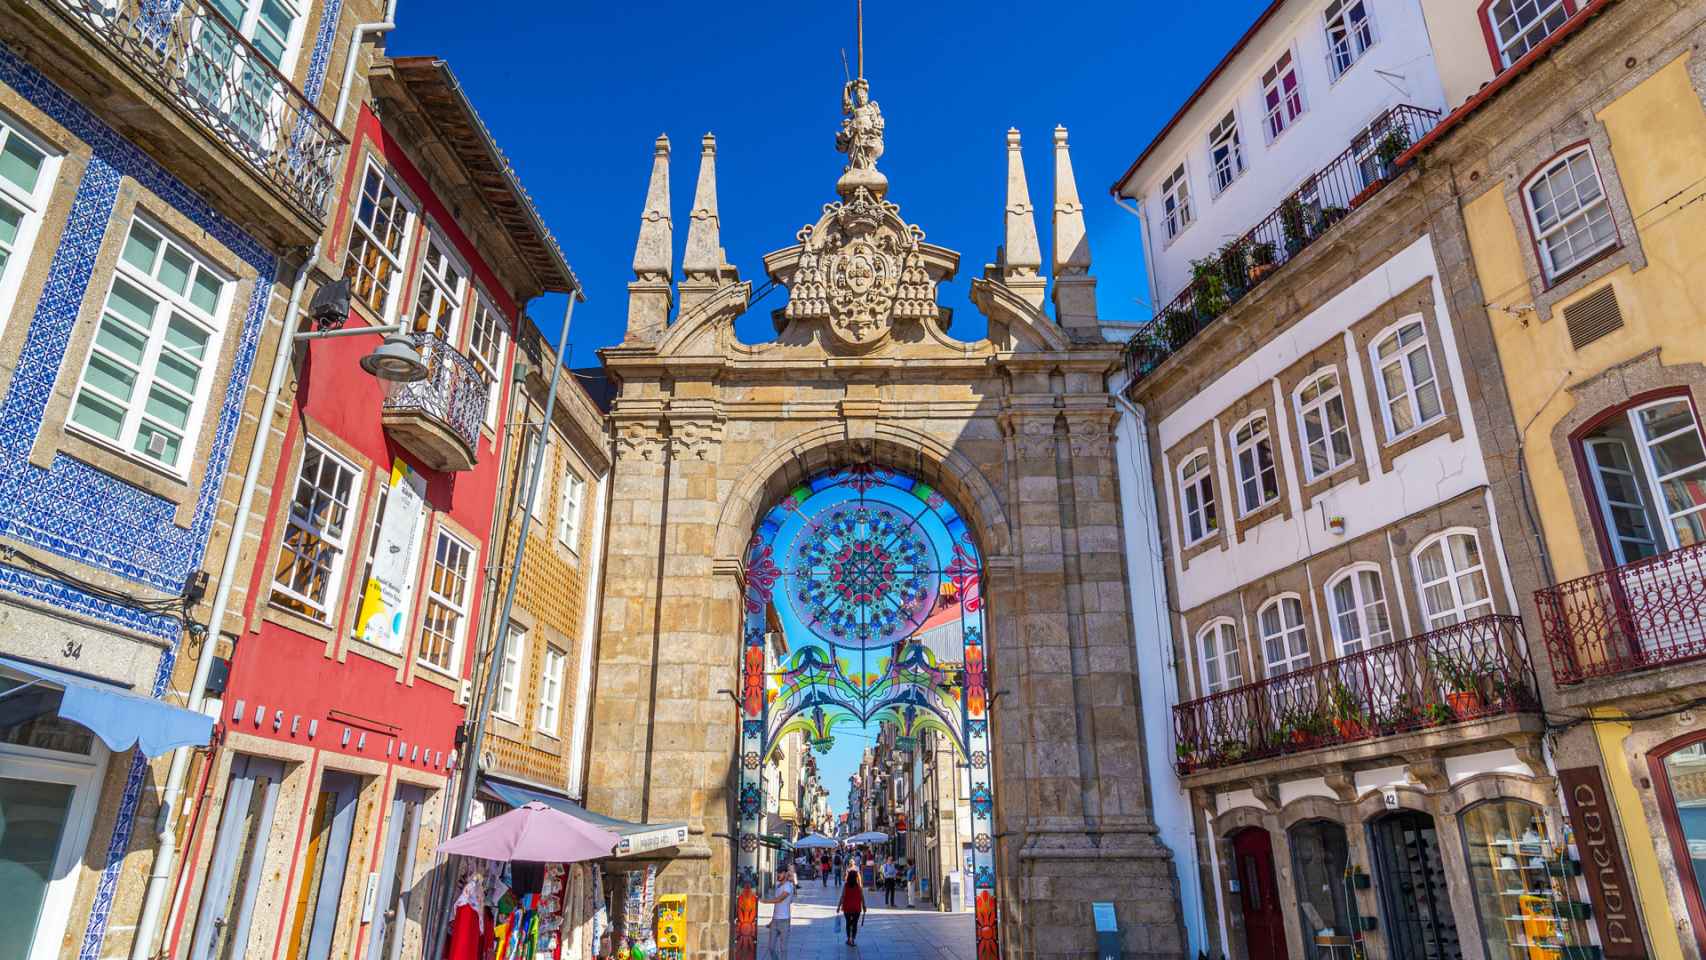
[861, 269]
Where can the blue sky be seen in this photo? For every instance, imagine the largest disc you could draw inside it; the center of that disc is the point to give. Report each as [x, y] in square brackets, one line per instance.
[576, 92]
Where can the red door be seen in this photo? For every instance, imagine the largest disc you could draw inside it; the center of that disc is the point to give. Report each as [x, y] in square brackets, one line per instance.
[1264, 926]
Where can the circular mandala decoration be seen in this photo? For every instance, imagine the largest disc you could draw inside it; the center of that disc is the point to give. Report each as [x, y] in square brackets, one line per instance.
[748, 842]
[979, 760]
[863, 574]
[750, 761]
[981, 843]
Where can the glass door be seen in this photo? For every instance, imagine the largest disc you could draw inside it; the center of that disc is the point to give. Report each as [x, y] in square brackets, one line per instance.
[1320, 852]
[315, 912]
[239, 856]
[397, 877]
[1413, 889]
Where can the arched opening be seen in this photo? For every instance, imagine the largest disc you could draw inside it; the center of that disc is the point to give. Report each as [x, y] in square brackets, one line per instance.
[863, 609]
[1320, 851]
[1413, 892]
[1258, 894]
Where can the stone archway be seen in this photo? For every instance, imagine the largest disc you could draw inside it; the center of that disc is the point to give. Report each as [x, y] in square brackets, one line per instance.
[1015, 428]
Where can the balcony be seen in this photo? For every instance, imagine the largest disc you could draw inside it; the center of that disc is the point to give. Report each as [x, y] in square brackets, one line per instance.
[187, 54]
[1471, 671]
[1644, 614]
[1311, 212]
[438, 418]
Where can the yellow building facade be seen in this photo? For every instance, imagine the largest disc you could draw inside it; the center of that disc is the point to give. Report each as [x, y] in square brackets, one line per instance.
[1580, 174]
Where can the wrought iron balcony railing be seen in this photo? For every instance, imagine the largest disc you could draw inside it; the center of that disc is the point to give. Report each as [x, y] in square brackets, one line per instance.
[229, 85]
[449, 404]
[1220, 280]
[1642, 614]
[1468, 671]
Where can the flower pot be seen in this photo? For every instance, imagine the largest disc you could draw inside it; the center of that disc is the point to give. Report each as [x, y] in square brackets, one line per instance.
[1464, 703]
[1299, 737]
[1260, 270]
[1349, 729]
[1367, 192]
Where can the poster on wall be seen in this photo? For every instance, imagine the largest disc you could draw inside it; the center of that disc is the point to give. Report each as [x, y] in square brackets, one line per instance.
[390, 588]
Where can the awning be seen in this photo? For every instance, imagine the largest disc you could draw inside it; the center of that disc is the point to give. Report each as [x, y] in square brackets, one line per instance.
[636, 837]
[120, 718]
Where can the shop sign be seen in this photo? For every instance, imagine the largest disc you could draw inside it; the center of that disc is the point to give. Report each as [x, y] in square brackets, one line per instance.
[1593, 821]
[652, 840]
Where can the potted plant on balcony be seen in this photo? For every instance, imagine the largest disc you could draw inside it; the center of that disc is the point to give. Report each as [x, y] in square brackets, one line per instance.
[1210, 296]
[1437, 715]
[1261, 260]
[1234, 259]
[1390, 148]
[1294, 224]
[1463, 683]
[1186, 763]
[1348, 719]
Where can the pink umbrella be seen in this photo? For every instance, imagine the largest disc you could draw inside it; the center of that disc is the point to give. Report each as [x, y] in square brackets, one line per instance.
[534, 832]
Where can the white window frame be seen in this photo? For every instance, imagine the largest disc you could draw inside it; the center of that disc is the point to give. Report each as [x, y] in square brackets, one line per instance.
[485, 315]
[1230, 662]
[1460, 611]
[1176, 189]
[83, 773]
[511, 676]
[1223, 175]
[1640, 482]
[323, 612]
[571, 503]
[1520, 37]
[146, 371]
[1338, 11]
[399, 261]
[458, 606]
[1368, 637]
[1196, 476]
[537, 442]
[1322, 401]
[548, 719]
[430, 282]
[1252, 446]
[1412, 389]
[31, 206]
[1285, 110]
[1561, 165]
[1655, 480]
[1288, 632]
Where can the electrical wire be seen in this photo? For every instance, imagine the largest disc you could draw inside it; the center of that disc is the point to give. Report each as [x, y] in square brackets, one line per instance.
[176, 608]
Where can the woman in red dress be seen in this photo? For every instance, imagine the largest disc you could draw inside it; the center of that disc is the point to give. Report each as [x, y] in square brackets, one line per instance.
[852, 905]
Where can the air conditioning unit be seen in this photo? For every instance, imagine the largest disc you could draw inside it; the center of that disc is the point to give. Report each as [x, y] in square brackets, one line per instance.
[465, 693]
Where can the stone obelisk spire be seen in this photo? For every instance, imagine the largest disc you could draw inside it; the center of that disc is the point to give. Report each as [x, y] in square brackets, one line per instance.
[649, 296]
[1022, 255]
[1074, 287]
[705, 267]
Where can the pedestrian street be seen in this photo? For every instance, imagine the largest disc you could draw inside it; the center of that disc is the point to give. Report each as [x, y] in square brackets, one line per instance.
[885, 933]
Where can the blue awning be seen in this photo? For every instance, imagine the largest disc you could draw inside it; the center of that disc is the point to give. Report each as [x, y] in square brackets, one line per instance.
[636, 837]
[120, 718]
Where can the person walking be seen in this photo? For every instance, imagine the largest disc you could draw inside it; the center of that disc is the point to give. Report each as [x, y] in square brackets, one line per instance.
[852, 904]
[836, 866]
[823, 868]
[781, 919]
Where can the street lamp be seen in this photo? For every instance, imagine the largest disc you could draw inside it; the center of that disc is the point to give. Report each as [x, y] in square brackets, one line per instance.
[394, 361]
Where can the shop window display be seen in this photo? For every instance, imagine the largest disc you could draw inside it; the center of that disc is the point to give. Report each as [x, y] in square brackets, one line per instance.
[1415, 901]
[1319, 855]
[1523, 881]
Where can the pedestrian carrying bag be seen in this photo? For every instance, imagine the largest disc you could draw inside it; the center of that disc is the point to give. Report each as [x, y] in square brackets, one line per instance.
[838, 923]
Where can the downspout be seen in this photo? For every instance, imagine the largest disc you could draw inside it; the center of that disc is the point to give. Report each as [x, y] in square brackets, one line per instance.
[1138, 210]
[159, 876]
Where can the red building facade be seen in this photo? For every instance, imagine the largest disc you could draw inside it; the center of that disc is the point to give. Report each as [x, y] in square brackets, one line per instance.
[321, 806]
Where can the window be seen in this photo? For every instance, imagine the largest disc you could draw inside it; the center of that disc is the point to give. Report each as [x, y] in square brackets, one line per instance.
[378, 237]
[316, 537]
[1569, 214]
[551, 689]
[224, 72]
[1409, 392]
[509, 679]
[26, 180]
[1453, 578]
[447, 604]
[1648, 467]
[1285, 643]
[1281, 97]
[1322, 425]
[1176, 213]
[1360, 621]
[1513, 866]
[1519, 25]
[1253, 451]
[1222, 657]
[486, 349]
[438, 295]
[536, 506]
[1349, 34]
[1197, 497]
[145, 384]
[1225, 153]
[569, 511]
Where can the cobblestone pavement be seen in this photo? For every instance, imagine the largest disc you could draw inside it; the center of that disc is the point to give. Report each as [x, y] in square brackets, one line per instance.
[885, 933]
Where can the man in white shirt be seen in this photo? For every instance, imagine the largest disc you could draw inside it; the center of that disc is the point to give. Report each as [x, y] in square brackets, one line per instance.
[781, 918]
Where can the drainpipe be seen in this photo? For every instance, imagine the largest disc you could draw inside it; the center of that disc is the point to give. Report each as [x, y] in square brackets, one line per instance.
[1141, 212]
[159, 876]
